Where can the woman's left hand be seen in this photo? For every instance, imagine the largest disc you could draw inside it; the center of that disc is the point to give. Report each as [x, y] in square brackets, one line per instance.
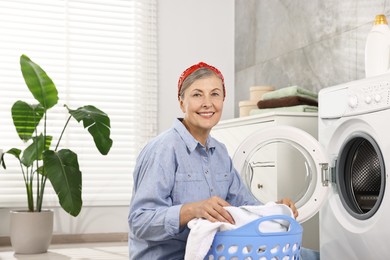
[290, 204]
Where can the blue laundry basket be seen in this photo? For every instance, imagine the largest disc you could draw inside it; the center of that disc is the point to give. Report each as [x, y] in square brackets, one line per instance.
[249, 243]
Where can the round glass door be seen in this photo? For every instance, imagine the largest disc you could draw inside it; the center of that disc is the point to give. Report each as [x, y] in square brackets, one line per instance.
[280, 162]
[361, 176]
[278, 169]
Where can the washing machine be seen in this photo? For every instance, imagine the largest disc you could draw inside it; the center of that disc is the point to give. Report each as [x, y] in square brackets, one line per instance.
[354, 127]
[274, 169]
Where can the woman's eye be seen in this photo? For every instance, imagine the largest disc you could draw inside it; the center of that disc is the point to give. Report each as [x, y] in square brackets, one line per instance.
[196, 94]
[216, 94]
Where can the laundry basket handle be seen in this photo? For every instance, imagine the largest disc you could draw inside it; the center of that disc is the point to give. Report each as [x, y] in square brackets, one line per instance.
[253, 228]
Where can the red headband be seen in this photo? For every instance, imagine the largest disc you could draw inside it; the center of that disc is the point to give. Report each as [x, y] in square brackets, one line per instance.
[195, 67]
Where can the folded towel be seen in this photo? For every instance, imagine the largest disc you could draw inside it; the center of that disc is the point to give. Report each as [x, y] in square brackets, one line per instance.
[287, 102]
[290, 91]
[203, 231]
[300, 108]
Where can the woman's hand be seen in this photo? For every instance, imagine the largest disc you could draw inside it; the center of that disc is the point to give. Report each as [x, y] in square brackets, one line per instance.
[210, 209]
[290, 204]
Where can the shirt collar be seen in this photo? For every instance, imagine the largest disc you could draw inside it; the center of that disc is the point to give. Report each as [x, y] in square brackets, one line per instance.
[188, 139]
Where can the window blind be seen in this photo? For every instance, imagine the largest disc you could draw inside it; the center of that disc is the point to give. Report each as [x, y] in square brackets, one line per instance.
[97, 52]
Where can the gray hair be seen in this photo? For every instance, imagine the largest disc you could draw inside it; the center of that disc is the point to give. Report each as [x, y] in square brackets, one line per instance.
[197, 74]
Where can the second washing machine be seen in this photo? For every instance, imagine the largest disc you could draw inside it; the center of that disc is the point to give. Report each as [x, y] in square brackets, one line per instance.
[275, 170]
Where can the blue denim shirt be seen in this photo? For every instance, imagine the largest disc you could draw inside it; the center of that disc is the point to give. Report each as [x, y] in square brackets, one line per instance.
[174, 169]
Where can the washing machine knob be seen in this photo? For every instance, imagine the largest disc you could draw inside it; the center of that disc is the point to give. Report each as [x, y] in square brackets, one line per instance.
[353, 101]
[368, 99]
[377, 98]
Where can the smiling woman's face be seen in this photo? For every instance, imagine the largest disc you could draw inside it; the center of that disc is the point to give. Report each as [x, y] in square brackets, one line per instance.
[202, 104]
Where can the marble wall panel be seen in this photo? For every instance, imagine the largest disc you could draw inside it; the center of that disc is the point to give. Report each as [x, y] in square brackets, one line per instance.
[282, 71]
[366, 10]
[243, 79]
[245, 34]
[333, 61]
[311, 43]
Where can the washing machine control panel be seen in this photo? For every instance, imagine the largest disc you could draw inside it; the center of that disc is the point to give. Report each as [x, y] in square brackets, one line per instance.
[367, 97]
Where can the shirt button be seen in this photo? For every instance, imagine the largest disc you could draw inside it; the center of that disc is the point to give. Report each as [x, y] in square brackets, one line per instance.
[206, 172]
[211, 190]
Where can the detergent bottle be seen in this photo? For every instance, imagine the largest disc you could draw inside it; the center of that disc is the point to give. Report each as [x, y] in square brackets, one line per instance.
[377, 52]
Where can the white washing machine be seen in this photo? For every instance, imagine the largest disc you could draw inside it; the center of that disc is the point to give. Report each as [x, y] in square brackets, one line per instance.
[274, 169]
[354, 129]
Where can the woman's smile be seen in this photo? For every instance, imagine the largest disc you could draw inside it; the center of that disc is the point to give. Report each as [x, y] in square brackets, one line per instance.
[206, 114]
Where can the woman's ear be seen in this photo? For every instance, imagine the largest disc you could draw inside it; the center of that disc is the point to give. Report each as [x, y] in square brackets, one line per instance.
[182, 105]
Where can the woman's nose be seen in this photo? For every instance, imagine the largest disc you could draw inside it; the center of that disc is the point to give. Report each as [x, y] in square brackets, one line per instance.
[207, 101]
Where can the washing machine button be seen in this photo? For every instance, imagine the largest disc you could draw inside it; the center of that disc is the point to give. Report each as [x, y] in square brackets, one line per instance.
[377, 98]
[368, 99]
[353, 101]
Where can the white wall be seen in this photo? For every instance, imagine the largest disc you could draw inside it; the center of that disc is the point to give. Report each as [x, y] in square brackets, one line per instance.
[191, 31]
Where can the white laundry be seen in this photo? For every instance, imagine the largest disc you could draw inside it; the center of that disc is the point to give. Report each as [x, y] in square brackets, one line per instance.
[203, 231]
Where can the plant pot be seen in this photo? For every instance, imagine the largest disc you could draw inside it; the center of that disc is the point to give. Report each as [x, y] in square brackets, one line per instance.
[31, 232]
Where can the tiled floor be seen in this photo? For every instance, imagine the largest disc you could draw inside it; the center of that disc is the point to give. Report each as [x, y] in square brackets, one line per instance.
[106, 251]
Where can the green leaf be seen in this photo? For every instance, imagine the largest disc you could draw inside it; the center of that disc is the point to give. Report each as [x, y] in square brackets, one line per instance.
[26, 117]
[34, 151]
[2, 163]
[39, 83]
[98, 124]
[62, 169]
[14, 151]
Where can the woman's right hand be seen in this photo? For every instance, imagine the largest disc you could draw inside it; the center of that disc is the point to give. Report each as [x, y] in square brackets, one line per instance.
[288, 202]
[210, 209]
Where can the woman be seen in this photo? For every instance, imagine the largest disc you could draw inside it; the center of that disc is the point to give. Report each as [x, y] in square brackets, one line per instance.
[184, 173]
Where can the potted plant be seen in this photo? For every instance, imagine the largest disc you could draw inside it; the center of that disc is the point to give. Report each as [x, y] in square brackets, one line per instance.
[41, 160]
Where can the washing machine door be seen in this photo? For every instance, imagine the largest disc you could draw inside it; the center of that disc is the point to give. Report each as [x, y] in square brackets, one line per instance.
[284, 161]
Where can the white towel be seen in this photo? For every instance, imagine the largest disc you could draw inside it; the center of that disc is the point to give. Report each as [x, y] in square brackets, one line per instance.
[203, 231]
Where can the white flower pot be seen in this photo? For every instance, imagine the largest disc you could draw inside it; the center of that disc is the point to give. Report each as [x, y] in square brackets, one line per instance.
[31, 232]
